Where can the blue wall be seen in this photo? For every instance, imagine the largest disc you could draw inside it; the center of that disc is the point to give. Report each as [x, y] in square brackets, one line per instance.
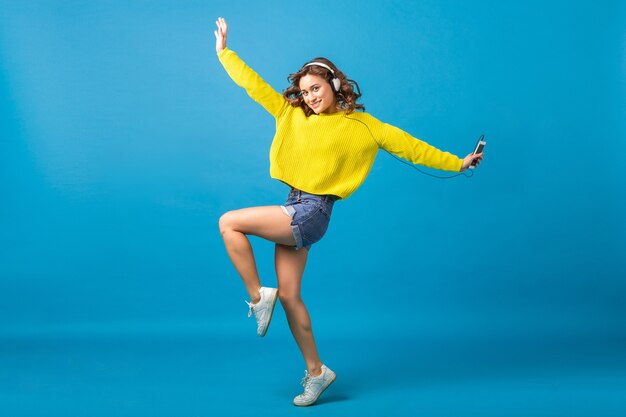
[123, 140]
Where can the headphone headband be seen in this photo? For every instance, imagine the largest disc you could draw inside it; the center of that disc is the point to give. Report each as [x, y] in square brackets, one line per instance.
[321, 64]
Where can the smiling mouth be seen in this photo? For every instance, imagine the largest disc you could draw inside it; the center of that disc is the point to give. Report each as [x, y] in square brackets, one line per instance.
[315, 103]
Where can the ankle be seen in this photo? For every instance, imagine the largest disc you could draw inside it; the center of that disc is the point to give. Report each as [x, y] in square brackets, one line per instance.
[255, 296]
[315, 371]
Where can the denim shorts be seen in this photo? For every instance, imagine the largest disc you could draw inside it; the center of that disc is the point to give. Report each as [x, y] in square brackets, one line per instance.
[310, 215]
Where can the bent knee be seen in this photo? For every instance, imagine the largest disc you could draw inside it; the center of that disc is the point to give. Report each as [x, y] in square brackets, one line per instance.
[226, 222]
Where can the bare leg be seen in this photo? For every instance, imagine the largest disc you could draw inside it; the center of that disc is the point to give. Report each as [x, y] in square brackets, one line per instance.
[290, 265]
[269, 222]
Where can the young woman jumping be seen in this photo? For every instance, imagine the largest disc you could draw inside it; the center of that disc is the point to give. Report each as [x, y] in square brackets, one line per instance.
[323, 148]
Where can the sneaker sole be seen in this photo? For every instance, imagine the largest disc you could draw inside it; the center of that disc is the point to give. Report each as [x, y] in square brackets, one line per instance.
[318, 395]
[274, 298]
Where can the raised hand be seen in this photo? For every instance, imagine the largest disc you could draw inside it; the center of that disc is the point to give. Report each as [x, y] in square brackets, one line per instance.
[220, 34]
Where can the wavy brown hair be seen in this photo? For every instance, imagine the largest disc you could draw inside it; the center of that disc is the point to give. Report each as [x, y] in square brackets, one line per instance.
[346, 97]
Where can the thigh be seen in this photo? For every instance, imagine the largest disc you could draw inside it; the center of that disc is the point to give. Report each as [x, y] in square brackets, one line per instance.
[268, 222]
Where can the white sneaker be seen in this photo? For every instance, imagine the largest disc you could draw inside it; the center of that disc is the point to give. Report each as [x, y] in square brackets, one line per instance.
[263, 309]
[314, 386]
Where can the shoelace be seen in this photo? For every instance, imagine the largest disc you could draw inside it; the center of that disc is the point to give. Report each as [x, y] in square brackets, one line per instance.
[251, 308]
[306, 380]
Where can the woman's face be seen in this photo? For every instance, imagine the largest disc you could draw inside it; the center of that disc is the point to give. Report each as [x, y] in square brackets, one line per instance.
[318, 94]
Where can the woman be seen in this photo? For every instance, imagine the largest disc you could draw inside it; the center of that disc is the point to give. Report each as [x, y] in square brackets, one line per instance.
[323, 150]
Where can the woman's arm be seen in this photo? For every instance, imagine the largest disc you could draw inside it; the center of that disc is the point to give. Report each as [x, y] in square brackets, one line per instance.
[245, 77]
[402, 144]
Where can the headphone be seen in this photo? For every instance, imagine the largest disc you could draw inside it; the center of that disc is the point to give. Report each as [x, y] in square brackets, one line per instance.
[335, 82]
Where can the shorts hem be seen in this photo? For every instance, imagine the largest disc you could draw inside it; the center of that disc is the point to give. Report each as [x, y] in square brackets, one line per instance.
[297, 236]
[288, 210]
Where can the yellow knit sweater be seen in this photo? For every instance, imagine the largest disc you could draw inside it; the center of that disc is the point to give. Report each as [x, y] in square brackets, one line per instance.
[328, 153]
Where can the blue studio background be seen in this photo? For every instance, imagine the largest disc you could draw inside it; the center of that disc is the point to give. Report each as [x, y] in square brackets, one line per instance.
[123, 140]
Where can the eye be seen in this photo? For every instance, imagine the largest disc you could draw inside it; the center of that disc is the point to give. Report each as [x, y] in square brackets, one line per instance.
[315, 88]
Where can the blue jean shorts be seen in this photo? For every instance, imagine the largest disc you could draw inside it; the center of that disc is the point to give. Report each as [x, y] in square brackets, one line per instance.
[310, 215]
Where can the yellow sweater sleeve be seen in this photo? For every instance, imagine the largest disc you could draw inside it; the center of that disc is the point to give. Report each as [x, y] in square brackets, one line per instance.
[255, 86]
[400, 143]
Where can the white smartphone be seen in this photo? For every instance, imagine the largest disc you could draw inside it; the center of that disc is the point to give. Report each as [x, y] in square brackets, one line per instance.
[480, 145]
